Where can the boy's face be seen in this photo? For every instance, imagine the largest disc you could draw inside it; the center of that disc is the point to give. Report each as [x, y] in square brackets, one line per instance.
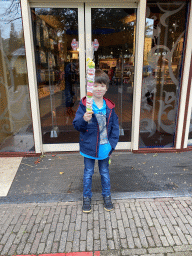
[99, 90]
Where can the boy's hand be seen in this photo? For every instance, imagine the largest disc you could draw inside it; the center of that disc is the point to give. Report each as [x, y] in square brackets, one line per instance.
[87, 116]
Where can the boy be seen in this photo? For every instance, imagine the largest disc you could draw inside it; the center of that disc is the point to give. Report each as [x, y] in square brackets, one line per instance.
[99, 134]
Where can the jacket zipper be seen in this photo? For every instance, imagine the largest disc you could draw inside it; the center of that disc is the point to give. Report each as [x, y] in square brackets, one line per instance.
[108, 122]
[97, 139]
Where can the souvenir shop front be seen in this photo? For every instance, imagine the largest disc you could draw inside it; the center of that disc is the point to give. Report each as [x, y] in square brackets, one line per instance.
[144, 46]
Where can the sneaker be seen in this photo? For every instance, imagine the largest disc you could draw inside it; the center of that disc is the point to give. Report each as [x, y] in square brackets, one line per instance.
[108, 206]
[86, 204]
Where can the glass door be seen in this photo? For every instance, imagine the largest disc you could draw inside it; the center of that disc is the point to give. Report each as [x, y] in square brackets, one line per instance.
[58, 72]
[115, 28]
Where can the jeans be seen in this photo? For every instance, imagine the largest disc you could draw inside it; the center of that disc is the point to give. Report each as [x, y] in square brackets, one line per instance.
[88, 173]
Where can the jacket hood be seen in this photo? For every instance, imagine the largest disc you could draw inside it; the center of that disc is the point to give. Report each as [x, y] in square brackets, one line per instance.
[109, 103]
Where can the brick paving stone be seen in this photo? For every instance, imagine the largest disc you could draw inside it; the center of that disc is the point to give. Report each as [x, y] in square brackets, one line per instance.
[132, 206]
[177, 240]
[49, 242]
[123, 243]
[164, 241]
[103, 238]
[159, 217]
[42, 223]
[101, 220]
[20, 234]
[17, 214]
[160, 250]
[63, 241]
[133, 251]
[36, 210]
[68, 247]
[62, 215]
[158, 227]
[113, 219]
[96, 215]
[71, 232]
[161, 210]
[69, 209]
[58, 210]
[189, 238]
[182, 226]
[73, 213]
[145, 227]
[137, 242]
[150, 209]
[116, 238]
[189, 219]
[33, 233]
[58, 231]
[129, 213]
[5, 226]
[76, 241]
[129, 238]
[142, 237]
[39, 216]
[54, 223]
[122, 207]
[133, 228]
[55, 247]
[82, 246]
[118, 214]
[136, 219]
[143, 206]
[41, 248]
[83, 231]
[90, 240]
[180, 214]
[36, 243]
[169, 215]
[101, 209]
[22, 243]
[84, 216]
[90, 220]
[168, 235]
[30, 224]
[50, 216]
[125, 220]
[155, 236]
[170, 226]
[121, 229]
[66, 222]
[140, 212]
[47, 211]
[27, 248]
[7, 234]
[179, 254]
[12, 250]
[148, 218]
[78, 222]
[19, 223]
[96, 229]
[97, 245]
[45, 233]
[111, 245]
[150, 241]
[189, 228]
[28, 216]
[181, 236]
[107, 215]
[109, 229]
[182, 248]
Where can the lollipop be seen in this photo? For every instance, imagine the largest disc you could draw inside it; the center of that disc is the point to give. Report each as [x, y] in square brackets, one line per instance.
[90, 83]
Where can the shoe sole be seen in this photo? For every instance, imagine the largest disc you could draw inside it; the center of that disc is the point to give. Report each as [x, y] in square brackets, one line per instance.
[87, 211]
[108, 210]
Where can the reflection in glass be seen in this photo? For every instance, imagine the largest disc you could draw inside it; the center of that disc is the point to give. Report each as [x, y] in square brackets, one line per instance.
[16, 132]
[57, 67]
[163, 52]
[114, 28]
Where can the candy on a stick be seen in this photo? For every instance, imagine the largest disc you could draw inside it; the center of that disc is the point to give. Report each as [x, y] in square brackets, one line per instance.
[90, 83]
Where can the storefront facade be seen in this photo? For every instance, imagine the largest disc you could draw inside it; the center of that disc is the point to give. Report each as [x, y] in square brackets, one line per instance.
[144, 46]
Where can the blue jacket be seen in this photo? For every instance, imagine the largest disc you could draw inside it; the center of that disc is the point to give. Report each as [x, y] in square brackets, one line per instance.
[89, 131]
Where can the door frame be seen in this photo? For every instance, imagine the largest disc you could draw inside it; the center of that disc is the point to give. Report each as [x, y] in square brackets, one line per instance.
[30, 58]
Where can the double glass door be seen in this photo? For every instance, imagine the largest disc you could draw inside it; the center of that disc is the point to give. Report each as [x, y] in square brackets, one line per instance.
[61, 69]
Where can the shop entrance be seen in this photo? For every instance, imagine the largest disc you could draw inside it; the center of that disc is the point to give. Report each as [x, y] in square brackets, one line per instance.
[60, 70]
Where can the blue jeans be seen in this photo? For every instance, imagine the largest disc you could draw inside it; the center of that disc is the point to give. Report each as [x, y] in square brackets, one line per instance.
[88, 173]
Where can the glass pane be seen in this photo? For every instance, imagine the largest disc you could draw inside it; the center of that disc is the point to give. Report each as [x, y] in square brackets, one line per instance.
[114, 28]
[190, 132]
[57, 67]
[16, 131]
[163, 58]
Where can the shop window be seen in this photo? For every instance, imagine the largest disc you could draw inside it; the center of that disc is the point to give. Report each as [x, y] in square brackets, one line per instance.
[16, 133]
[190, 132]
[162, 66]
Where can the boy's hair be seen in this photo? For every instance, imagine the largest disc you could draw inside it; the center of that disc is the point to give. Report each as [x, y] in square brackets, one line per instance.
[101, 77]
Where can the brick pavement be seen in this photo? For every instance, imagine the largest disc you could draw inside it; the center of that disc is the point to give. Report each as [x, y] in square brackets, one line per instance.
[155, 227]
